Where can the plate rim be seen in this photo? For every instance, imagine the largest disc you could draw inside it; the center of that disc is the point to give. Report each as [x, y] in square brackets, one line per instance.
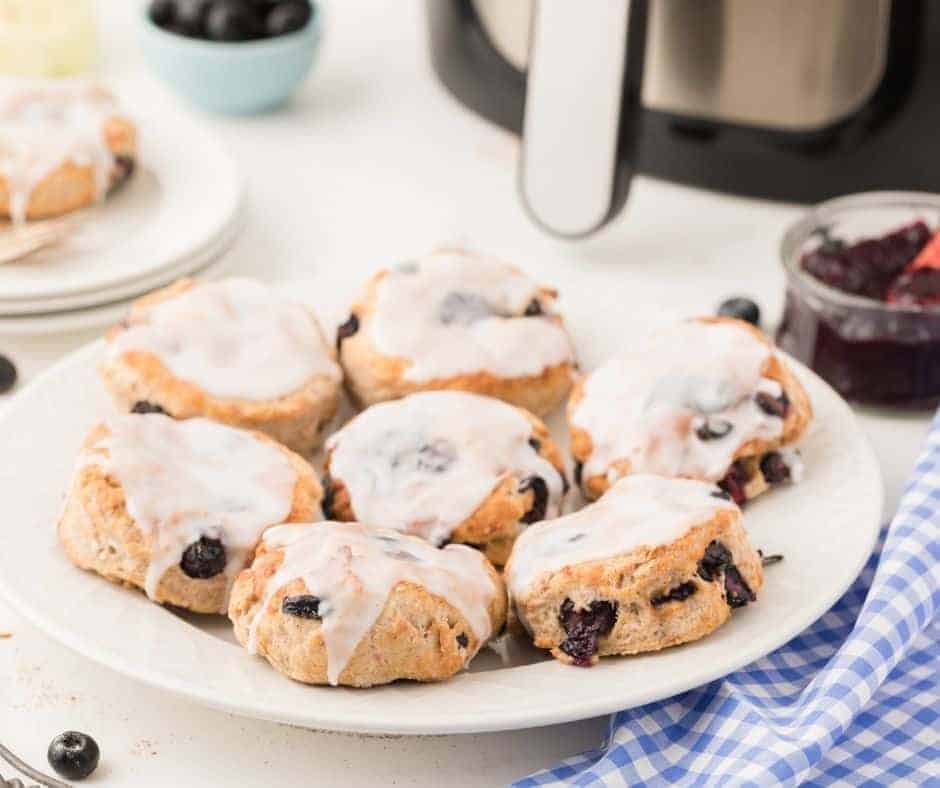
[523, 716]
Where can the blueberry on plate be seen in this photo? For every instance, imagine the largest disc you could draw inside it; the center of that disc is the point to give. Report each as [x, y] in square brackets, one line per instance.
[740, 309]
[288, 17]
[7, 375]
[232, 20]
[73, 755]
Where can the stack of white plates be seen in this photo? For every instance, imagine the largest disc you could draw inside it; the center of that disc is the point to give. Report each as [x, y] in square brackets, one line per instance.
[174, 218]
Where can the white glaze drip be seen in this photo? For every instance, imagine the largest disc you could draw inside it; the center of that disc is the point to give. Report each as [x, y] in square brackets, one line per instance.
[646, 405]
[352, 569]
[794, 462]
[45, 126]
[639, 510]
[234, 338]
[424, 464]
[186, 479]
[482, 301]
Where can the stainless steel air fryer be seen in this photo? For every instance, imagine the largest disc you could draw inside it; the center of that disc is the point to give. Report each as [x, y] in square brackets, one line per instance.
[787, 99]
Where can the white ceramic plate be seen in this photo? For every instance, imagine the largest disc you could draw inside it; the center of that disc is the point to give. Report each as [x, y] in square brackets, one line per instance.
[195, 259]
[183, 197]
[825, 527]
[209, 263]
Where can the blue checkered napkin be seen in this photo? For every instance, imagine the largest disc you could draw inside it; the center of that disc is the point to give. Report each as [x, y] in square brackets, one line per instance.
[852, 701]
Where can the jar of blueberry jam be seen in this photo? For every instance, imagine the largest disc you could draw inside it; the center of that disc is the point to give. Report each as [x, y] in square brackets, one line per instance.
[863, 297]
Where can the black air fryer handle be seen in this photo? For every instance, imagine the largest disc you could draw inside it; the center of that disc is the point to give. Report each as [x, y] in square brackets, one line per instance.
[582, 112]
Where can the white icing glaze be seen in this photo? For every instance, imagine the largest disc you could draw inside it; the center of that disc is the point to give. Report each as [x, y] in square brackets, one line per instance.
[646, 405]
[639, 510]
[483, 301]
[352, 569]
[186, 479]
[793, 461]
[233, 338]
[424, 464]
[44, 126]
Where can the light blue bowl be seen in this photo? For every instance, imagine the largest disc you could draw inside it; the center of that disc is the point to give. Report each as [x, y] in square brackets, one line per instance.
[239, 78]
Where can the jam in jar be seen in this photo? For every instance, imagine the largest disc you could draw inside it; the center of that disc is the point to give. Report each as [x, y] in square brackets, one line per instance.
[863, 297]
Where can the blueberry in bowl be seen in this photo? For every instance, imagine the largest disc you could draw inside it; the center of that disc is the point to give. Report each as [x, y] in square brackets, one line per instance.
[236, 57]
[230, 20]
[863, 297]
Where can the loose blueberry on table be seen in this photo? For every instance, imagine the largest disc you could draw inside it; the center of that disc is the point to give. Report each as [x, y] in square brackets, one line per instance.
[7, 374]
[740, 309]
[73, 755]
[231, 20]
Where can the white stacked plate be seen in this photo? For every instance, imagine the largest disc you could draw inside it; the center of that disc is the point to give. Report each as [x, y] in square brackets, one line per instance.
[175, 217]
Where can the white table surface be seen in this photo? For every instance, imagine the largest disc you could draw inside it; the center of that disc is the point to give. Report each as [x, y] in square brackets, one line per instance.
[374, 160]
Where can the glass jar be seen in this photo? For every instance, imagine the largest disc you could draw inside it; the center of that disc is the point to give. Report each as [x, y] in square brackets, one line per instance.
[47, 38]
[870, 351]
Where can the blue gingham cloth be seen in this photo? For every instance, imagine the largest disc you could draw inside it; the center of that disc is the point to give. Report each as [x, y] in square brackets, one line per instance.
[853, 701]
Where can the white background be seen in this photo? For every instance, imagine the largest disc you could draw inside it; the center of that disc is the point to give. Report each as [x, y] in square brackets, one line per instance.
[374, 161]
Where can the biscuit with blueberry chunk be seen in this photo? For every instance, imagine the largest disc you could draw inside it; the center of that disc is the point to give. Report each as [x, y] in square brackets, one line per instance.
[707, 399]
[654, 563]
[176, 508]
[234, 351]
[345, 604]
[447, 466]
[456, 320]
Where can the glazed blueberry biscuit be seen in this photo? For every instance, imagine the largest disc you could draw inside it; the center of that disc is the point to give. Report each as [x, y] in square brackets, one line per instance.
[177, 507]
[706, 399]
[232, 351]
[453, 320]
[341, 603]
[446, 466]
[62, 147]
[656, 562]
